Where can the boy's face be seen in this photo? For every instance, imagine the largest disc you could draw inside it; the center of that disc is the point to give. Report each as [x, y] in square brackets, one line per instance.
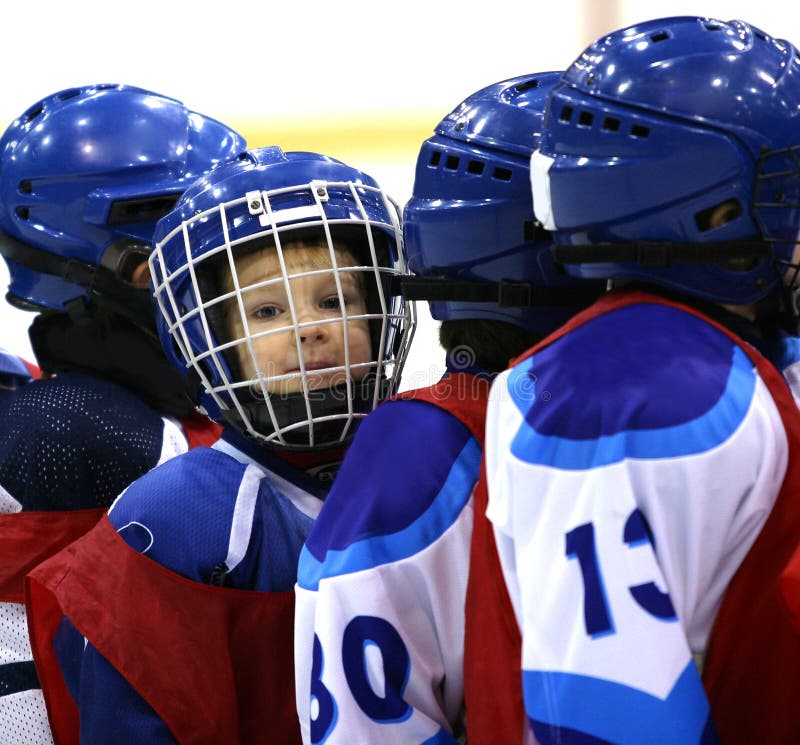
[320, 335]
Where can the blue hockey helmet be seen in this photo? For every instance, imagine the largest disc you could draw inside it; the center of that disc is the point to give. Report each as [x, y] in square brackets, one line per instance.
[267, 200]
[85, 174]
[669, 154]
[470, 219]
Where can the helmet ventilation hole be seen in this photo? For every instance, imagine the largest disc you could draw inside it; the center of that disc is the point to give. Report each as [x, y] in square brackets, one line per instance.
[30, 115]
[71, 93]
[527, 85]
[610, 123]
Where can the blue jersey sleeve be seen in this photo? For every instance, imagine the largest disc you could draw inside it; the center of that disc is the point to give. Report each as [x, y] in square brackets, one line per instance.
[110, 709]
[180, 513]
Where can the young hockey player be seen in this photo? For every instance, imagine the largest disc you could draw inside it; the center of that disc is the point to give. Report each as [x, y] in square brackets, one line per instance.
[642, 462]
[85, 173]
[382, 579]
[272, 277]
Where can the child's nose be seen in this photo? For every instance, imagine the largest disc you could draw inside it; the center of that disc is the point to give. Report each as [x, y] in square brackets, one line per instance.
[312, 329]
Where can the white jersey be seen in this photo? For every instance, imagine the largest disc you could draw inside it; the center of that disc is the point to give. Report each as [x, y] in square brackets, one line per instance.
[379, 630]
[630, 465]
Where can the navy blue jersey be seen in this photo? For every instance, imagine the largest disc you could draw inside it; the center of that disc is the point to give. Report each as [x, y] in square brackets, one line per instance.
[76, 440]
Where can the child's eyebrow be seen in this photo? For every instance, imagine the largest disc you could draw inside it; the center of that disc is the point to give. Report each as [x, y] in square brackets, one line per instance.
[354, 280]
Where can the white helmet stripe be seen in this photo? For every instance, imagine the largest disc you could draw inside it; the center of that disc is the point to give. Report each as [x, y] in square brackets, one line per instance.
[540, 187]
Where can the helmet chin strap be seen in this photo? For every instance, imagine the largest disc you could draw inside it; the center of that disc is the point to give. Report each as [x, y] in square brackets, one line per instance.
[101, 286]
[295, 409]
[662, 254]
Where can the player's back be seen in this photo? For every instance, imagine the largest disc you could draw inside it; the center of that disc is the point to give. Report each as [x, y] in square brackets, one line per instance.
[658, 404]
[633, 464]
[398, 515]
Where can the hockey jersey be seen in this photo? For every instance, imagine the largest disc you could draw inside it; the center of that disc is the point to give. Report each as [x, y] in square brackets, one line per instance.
[189, 628]
[635, 523]
[379, 634]
[68, 446]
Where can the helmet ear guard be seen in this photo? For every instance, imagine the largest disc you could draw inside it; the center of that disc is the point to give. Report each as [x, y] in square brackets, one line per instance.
[125, 258]
[108, 286]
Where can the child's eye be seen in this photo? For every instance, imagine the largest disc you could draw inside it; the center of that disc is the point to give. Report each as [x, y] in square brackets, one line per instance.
[331, 303]
[265, 312]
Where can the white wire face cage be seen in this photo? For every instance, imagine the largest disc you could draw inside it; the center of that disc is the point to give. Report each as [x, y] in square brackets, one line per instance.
[234, 284]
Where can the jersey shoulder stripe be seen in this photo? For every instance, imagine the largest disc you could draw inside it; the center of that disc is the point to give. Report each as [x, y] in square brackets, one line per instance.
[378, 550]
[653, 395]
[390, 476]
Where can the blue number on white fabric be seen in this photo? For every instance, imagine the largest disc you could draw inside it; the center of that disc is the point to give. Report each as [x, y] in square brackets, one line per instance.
[361, 633]
[325, 718]
[596, 614]
[656, 602]
[580, 545]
